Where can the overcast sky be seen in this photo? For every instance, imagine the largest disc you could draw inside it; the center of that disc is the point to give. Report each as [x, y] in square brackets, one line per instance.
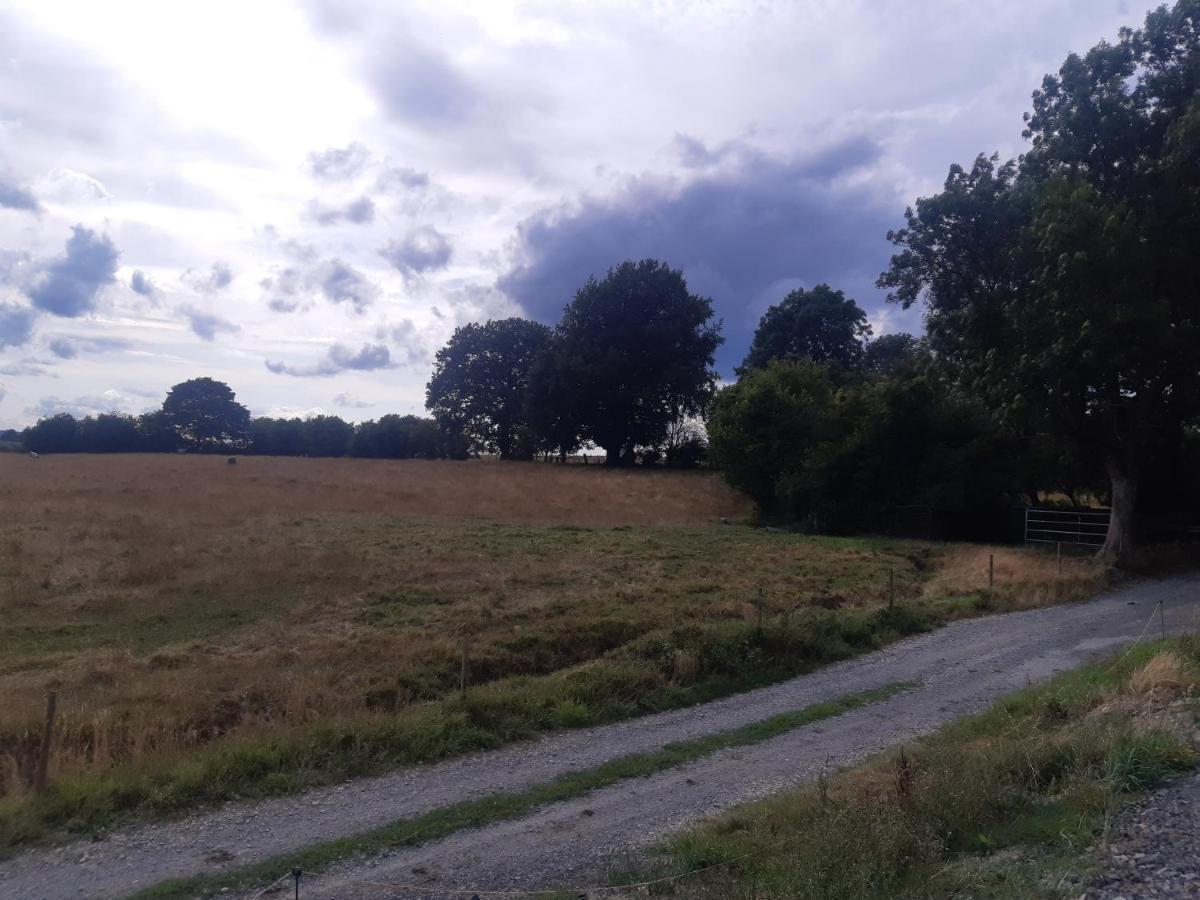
[304, 199]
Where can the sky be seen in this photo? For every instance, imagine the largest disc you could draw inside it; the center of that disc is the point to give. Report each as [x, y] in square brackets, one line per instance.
[305, 199]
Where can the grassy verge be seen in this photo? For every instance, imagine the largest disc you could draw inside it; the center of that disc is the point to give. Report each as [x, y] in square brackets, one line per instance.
[997, 805]
[664, 671]
[498, 807]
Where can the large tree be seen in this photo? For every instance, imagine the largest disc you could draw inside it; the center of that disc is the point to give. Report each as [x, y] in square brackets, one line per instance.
[480, 380]
[203, 414]
[822, 325]
[636, 350]
[1064, 286]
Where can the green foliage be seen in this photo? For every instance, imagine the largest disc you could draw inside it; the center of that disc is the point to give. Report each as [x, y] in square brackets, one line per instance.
[398, 437]
[204, 415]
[838, 458]
[1063, 287]
[633, 352]
[480, 379]
[821, 325]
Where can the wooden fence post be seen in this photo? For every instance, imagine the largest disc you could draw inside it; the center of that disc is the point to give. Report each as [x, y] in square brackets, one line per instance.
[43, 765]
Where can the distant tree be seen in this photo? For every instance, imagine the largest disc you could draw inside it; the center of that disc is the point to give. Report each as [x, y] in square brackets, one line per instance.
[822, 325]
[54, 434]
[685, 445]
[109, 433]
[204, 415]
[480, 380]
[277, 437]
[327, 436]
[397, 437]
[155, 433]
[1064, 288]
[634, 349]
[766, 431]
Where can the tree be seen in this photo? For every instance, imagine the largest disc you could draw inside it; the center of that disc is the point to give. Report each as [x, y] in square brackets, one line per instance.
[823, 325]
[109, 433]
[53, 434]
[552, 406]
[891, 354]
[204, 415]
[327, 436]
[1064, 287]
[765, 431]
[480, 379]
[397, 437]
[636, 349]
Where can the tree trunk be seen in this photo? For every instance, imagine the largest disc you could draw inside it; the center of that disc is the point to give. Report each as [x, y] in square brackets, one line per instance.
[1118, 542]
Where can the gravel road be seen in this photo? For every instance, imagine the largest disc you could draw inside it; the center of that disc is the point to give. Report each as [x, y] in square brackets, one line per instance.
[961, 668]
[1153, 848]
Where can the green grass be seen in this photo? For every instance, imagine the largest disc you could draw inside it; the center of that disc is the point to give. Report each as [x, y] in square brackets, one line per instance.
[498, 807]
[1035, 777]
[638, 678]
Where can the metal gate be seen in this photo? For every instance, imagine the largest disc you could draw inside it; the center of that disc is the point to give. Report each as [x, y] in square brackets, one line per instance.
[1085, 528]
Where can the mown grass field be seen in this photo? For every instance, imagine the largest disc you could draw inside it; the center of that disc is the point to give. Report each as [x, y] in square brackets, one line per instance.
[220, 631]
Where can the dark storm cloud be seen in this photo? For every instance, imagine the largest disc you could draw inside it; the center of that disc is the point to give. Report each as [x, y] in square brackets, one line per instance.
[70, 285]
[742, 235]
[218, 277]
[140, 283]
[356, 212]
[207, 325]
[339, 163]
[423, 250]
[368, 358]
[16, 325]
[342, 283]
[15, 197]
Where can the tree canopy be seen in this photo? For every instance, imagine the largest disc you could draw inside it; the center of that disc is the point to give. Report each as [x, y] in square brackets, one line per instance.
[480, 380]
[203, 414]
[635, 350]
[1063, 286]
[822, 325]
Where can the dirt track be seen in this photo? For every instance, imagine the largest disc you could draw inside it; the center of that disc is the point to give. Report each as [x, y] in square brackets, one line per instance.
[961, 669]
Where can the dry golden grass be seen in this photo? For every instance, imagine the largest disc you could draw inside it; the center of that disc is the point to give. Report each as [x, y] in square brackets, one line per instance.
[177, 603]
[1165, 677]
[1024, 579]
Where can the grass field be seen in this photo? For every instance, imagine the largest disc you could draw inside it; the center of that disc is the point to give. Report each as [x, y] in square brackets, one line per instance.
[217, 631]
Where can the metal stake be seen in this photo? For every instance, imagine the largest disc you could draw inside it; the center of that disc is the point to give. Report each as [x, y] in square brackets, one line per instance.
[39, 781]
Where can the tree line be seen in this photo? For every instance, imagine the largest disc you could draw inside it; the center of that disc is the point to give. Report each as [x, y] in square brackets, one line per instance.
[202, 415]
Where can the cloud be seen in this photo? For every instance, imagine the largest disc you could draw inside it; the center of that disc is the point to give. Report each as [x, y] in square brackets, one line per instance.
[342, 283]
[70, 284]
[419, 86]
[339, 358]
[216, 279]
[287, 288]
[421, 250]
[349, 401]
[207, 325]
[109, 401]
[71, 188]
[62, 348]
[339, 163]
[15, 197]
[68, 347]
[141, 283]
[356, 212]
[24, 367]
[398, 179]
[16, 324]
[743, 234]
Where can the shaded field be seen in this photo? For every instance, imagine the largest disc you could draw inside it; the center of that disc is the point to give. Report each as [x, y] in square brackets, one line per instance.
[218, 631]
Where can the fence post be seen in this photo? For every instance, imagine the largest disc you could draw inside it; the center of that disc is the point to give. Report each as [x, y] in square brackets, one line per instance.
[991, 571]
[296, 873]
[43, 765]
[1058, 551]
[891, 588]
